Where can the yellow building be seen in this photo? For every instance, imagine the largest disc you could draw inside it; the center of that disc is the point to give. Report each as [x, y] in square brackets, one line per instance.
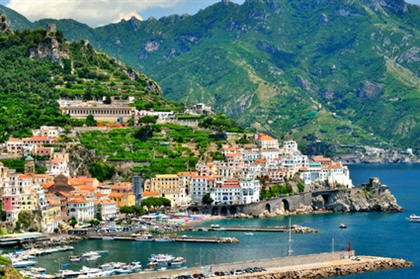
[123, 199]
[170, 186]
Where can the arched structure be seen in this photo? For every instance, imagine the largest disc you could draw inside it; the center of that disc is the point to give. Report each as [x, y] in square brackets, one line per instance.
[286, 205]
[268, 207]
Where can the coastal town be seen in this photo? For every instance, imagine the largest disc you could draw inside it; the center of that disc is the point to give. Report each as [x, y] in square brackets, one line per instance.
[56, 197]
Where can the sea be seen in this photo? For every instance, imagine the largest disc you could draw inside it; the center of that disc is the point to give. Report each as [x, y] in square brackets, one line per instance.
[376, 234]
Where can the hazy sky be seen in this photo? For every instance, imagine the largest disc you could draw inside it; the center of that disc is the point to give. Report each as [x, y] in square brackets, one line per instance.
[101, 12]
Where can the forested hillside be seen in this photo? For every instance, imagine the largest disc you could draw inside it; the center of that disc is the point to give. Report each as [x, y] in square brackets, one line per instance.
[40, 66]
[327, 73]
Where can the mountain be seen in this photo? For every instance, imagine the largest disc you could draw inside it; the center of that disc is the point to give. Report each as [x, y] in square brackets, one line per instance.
[324, 72]
[40, 66]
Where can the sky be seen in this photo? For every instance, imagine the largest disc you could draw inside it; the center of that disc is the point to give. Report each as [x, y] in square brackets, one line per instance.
[101, 12]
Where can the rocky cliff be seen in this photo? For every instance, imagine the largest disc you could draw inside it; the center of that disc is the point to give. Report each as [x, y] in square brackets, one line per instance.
[368, 198]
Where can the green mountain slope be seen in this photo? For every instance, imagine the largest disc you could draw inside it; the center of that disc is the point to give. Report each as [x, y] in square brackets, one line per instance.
[323, 72]
[40, 66]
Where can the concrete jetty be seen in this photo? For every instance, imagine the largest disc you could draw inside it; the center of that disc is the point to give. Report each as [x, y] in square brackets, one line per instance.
[281, 229]
[305, 266]
[174, 238]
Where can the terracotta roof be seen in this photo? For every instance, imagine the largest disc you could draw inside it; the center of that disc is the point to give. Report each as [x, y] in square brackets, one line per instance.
[116, 195]
[100, 195]
[54, 201]
[150, 193]
[79, 200]
[263, 136]
[46, 185]
[186, 173]
[231, 186]
[121, 187]
[14, 139]
[24, 176]
[87, 188]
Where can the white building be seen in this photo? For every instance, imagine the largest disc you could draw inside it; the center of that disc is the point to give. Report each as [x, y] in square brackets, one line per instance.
[250, 190]
[80, 209]
[229, 193]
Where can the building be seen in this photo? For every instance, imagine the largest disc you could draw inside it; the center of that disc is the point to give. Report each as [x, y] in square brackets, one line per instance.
[80, 209]
[265, 141]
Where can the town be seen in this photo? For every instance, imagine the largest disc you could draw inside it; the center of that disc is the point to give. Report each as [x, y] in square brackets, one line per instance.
[241, 178]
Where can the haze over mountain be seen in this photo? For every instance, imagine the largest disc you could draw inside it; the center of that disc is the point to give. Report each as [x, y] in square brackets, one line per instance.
[323, 72]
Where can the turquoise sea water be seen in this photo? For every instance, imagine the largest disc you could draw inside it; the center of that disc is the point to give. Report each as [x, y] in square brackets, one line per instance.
[380, 234]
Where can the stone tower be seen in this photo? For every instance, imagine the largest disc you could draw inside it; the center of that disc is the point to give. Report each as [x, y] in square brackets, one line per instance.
[29, 165]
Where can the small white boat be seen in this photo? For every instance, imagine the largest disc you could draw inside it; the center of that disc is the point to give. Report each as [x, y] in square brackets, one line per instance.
[22, 264]
[178, 261]
[249, 233]
[75, 258]
[342, 226]
[107, 238]
[163, 239]
[144, 239]
[414, 218]
[93, 258]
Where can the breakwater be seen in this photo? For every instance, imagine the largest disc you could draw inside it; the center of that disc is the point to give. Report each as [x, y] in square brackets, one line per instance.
[281, 229]
[306, 266]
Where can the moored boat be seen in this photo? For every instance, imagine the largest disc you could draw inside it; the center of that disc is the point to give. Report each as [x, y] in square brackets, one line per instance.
[21, 264]
[74, 258]
[342, 226]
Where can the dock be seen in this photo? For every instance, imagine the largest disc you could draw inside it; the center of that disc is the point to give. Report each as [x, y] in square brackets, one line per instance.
[173, 238]
[280, 229]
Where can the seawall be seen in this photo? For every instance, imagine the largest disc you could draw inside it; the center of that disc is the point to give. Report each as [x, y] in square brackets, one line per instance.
[306, 266]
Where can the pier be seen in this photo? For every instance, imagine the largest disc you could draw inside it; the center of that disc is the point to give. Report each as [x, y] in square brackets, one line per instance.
[172, 238]
[280, 229]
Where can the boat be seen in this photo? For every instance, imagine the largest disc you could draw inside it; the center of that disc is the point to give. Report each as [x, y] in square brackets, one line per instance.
[75, 258]
[249, 233]
[144, 238]
[107, 238]
[161, 258]
[342, 226]
[21, 264]
[93, 257]
[66, 273]
[178, 261]
[414, 218]
[163, 239]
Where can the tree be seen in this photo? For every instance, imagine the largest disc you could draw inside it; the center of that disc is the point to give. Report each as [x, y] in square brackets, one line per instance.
[101, 171]
[73, 223]
[107, 100]
[148, 119]
[90, 120]
[94, 222]
[207, 199]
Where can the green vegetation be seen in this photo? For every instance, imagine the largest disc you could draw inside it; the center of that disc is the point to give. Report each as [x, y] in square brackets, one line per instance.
[154, 203]
[207, 199]
[274, 191]
[101, 171]
[156, 149]
[29, 87]
[325, 74]
[132, 210]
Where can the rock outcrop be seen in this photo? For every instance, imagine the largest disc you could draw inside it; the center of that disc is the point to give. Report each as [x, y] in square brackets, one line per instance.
[374, 197]
[50, 48]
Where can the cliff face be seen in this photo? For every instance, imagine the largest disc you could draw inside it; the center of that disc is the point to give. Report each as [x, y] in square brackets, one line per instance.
[50, 48]
[359, 199]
